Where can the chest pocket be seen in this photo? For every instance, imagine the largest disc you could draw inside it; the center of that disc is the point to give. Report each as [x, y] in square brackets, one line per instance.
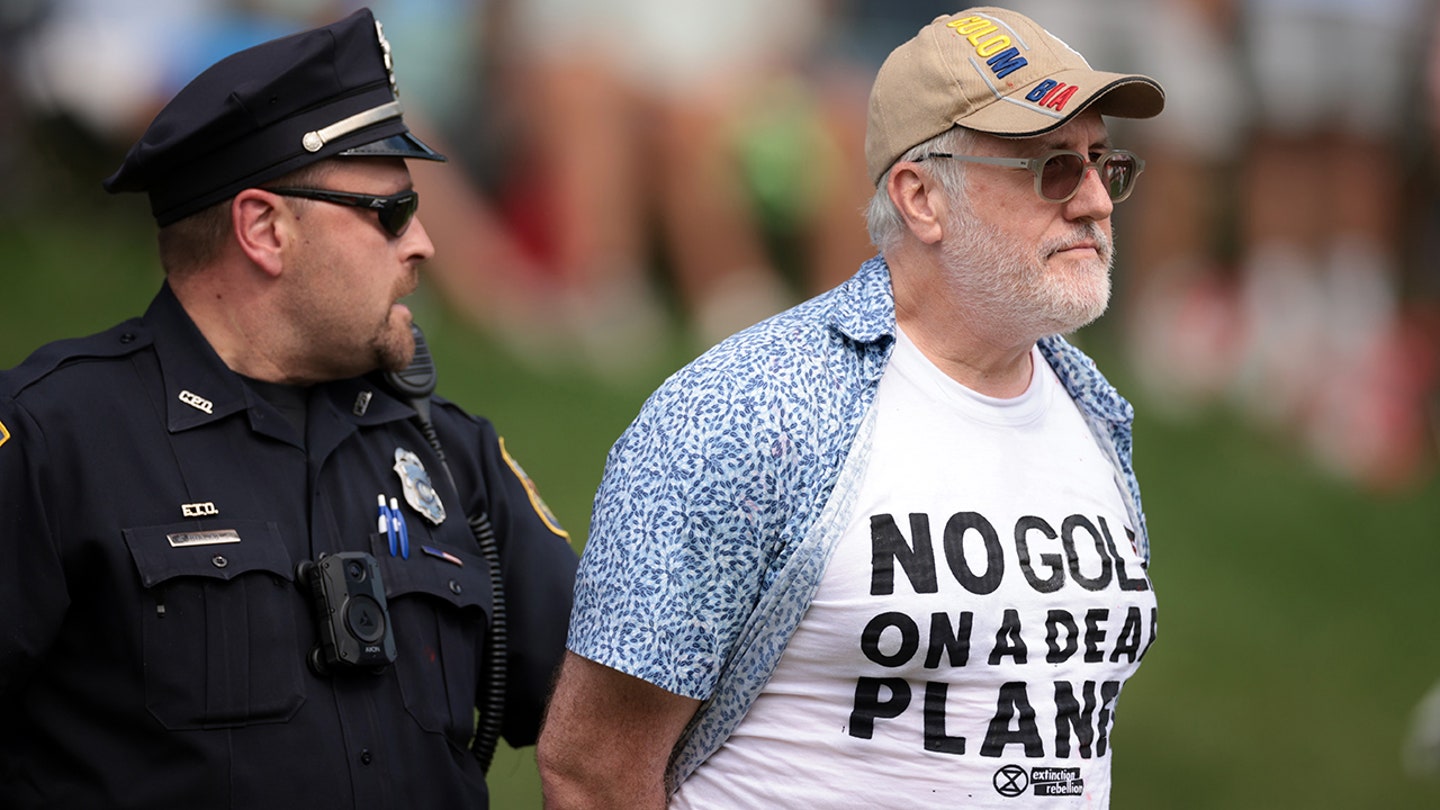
[221, 647]
[440, 607]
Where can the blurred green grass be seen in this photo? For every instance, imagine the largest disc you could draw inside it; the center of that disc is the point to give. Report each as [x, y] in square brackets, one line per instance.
[1297, 614]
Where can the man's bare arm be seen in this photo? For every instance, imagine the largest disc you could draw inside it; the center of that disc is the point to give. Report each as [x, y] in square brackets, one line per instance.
[607, 739]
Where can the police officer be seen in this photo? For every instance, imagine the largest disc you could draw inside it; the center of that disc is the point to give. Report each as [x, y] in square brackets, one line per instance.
[239, 566]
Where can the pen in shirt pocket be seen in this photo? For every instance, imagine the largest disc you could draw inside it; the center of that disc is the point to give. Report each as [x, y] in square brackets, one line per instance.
[385, 525]
[401, 530]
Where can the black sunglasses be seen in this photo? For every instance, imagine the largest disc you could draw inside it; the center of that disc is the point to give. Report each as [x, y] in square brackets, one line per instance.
[396, 211]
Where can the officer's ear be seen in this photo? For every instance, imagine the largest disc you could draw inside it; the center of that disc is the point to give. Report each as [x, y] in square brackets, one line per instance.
[920, 199]
[257, 221]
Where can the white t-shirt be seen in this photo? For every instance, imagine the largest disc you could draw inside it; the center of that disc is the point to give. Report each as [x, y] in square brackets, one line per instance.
[973, 628]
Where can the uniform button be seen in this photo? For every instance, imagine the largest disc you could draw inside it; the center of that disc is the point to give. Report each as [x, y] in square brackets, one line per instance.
[455, 587]
[365, 756]
[219, 561]
[128, 337]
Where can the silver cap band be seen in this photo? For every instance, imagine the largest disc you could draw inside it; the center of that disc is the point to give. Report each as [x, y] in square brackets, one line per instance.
[315, 141]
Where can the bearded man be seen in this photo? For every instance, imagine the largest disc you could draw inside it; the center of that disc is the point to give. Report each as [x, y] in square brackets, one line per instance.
[886, 549]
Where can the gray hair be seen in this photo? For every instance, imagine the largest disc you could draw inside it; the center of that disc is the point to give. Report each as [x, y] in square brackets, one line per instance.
[883, 219]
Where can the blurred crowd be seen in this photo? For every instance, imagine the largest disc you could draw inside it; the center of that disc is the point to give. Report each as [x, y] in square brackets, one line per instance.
[631, 173]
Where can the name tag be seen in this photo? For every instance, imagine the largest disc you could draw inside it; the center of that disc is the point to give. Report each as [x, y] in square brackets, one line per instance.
[211, 538]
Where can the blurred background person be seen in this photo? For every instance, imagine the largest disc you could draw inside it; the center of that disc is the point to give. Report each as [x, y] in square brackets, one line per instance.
[810, 188]
[89, 75]
[1324, 355]
[95, 72]
[626, 163]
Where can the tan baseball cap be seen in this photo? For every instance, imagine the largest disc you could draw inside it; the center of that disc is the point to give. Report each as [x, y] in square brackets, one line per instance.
[995, 71]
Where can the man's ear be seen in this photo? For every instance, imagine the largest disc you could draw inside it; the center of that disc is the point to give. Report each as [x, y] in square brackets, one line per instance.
[257, 221]
[920, 200]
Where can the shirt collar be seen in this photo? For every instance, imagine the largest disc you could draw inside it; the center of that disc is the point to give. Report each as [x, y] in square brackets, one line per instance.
[200, 388]
[863, 308]
[1083, 380]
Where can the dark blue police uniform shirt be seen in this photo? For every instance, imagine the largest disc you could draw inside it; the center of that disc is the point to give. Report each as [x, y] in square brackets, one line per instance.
[139, 670]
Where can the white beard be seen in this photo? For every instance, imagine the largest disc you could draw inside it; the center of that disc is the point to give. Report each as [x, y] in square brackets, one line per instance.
[1013, 286]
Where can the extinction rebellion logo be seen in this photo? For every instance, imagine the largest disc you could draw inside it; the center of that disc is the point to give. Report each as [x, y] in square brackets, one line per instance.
[1012, 780]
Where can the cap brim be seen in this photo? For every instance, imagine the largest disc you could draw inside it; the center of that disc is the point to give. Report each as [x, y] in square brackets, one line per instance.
[401, 145]
[1116, 94]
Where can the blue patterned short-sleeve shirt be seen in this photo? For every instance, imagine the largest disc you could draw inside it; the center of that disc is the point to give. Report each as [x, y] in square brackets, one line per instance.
[714, 516]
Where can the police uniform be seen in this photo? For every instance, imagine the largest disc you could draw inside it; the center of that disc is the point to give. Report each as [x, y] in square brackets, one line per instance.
[160, 534]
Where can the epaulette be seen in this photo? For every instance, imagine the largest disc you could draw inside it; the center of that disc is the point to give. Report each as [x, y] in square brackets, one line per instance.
[118, 341]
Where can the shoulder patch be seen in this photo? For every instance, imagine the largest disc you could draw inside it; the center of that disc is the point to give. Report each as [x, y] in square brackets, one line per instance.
[536, 502]
[4, 434]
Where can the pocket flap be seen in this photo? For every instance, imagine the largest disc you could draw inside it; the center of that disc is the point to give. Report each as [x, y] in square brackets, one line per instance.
[459, 577]
[224, 552]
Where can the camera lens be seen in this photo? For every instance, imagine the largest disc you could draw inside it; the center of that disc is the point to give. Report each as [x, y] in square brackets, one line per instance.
[355, 570]
[365, 619]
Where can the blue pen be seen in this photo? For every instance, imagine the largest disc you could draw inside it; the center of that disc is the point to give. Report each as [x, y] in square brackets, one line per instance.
[400, 529]
[385, 525]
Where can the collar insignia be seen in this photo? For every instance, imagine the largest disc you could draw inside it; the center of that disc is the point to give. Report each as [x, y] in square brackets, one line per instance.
[197, 402]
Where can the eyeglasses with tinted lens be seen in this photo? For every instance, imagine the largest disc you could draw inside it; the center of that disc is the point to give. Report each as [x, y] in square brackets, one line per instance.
[1059, 173]
[396, 210]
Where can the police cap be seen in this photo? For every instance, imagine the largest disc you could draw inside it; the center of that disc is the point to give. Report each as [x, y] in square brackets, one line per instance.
[267, 111]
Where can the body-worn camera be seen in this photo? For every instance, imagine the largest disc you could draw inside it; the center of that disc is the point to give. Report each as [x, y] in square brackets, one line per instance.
[352, 621]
